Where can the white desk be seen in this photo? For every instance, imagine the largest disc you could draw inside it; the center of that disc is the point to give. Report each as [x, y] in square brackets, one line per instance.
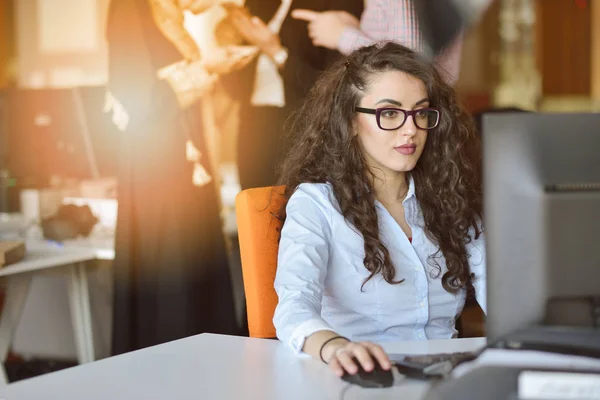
[42, 257]
[218, 367]
[103, 247]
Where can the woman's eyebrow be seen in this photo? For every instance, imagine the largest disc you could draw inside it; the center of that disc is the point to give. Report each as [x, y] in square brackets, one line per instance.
[394, 102]
[397, 103]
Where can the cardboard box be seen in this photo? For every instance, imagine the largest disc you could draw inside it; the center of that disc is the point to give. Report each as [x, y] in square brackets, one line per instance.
[11, 252]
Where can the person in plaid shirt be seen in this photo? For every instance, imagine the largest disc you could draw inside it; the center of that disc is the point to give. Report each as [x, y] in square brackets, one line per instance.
[382, 20]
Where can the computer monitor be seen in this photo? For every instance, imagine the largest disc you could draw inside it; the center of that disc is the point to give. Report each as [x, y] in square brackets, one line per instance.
[542, 220]
[106, 139]
[59, 132]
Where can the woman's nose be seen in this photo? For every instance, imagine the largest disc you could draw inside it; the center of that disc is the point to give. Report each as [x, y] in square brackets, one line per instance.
[409, 128]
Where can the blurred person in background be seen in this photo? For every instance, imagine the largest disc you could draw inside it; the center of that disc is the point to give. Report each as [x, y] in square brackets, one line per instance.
[273, 86]
[171, 269]
[382, 20]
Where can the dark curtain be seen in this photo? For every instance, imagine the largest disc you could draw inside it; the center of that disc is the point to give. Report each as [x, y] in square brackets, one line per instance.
[171, 272]
[260, 144]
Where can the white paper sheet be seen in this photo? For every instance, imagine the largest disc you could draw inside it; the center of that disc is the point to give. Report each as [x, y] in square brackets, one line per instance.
[537, 385]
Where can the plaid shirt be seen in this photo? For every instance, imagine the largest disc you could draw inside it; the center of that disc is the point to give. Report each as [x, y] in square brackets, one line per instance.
[396, 20]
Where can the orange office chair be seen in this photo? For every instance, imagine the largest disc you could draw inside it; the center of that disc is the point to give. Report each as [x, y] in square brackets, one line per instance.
[258, 233]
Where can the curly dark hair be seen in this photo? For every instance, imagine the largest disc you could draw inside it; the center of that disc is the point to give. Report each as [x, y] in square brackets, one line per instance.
[323, 148]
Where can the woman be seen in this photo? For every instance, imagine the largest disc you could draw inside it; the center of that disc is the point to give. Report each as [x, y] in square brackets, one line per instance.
[171, 268]
[382, 232]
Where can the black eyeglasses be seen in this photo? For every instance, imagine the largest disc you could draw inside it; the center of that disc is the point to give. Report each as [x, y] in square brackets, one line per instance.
[390, 119]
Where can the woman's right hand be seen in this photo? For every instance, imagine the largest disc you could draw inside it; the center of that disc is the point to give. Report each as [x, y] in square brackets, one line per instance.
[255, 32]
[343, 356]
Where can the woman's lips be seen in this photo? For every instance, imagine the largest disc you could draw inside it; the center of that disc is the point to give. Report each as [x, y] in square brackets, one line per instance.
[406, 149]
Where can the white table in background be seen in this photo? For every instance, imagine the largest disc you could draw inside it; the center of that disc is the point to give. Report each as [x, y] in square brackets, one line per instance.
[219, 367]
[103, 247]
[43, 257]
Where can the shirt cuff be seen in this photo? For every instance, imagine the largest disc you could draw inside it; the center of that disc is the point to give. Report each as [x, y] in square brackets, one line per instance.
[304, 330]
[347, 40]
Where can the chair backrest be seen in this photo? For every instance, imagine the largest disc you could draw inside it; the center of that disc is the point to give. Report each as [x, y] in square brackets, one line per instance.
[258, 233]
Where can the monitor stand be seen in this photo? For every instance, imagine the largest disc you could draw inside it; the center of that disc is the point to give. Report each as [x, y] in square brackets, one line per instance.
[553, 339]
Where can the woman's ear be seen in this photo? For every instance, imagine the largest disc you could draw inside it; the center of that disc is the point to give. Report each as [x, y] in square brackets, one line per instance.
[354, 127]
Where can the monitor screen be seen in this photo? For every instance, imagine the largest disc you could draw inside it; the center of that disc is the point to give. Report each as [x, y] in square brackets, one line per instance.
[59, 132]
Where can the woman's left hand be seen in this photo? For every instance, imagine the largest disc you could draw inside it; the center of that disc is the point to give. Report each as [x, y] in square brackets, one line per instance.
[221, 61]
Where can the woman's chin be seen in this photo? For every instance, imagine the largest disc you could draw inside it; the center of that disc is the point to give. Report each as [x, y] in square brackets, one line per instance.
[405, 167]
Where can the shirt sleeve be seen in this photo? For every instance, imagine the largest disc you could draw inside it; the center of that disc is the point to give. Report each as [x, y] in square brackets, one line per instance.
[301, 268]
[477, 258]
[168, 16]
[373, 27]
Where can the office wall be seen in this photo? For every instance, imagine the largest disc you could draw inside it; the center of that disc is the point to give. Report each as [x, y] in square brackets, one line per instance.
[595, 43]
[60, 43]
[6, 41]
[564, 57]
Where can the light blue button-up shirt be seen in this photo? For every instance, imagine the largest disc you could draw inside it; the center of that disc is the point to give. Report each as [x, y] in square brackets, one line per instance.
[320, 272]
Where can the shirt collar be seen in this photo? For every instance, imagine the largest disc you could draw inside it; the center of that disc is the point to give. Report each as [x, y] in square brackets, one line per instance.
[411, 187]
[409, 194]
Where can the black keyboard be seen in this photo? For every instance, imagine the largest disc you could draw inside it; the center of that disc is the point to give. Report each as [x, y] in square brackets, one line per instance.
[429, 359]
[429, 366]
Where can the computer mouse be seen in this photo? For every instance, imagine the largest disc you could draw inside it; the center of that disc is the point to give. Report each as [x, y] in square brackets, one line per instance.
[378, 378]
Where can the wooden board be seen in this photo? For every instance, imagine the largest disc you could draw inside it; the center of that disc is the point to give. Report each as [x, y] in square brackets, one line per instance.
[11, 252]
